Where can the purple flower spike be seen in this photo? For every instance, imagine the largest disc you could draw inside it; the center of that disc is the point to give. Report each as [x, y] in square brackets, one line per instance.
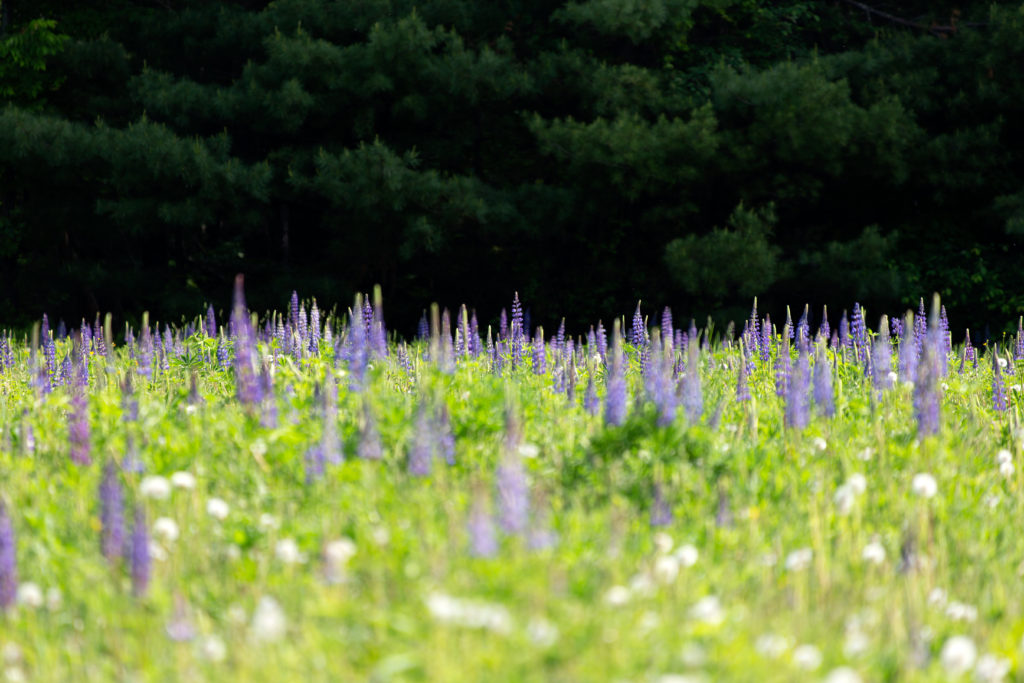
[638, 335]
[591, 404]
[314, 464]
[742, 385]
[483, 538]
[998, 386]
[661, 510]
[797, 394]
[211, 323]
[8, 561]
[111, 513]
[513, 495]
[615, 384]
[139, 553]
[445, 435]
[823, 395]
[247, 381]
[78, 429]
[693, 397]
[421, 452]
[369, 439]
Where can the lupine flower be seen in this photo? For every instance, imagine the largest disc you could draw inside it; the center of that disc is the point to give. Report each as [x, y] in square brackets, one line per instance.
[824, 331]
[958, 655]
[638, 334]
[421, 452]
[1018, 351]
[661, 510]
[753, 328]
[660, 386]
[666, 326]
[693, 397]
[516, 339]
[8, 561]
[615, 384]
[881, 358]
[927, 393]
[766, 339]
[540, 359]
[111, 513]
[369, 439]
[247, 383]
[823, 396]
[445, 435]
[357, 348]
[591, 404]
[742, 386]
[314, 464]
[483, 539]
[78, 429]
[510, 480]
[789, 331]
[602, 341]
[139, 553]
[798, 394]
[998, 387]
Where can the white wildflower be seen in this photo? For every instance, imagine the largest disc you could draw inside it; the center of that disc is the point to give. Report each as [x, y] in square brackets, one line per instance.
[184, 480]
[469, 613]
[958, 655]
[663, 542]
[771, 645]
[874, 553]
[937, 597]
[844, 499]
[155, 487]
[617, 596]
[340, 551]
[529, 450]
[287, 551]
[806, 657]
[30, 595]
[866, 454]
[893, 377]
[798, 560]
[166, 528]
[708, 610]
[924, 485]
[1004, 456]
[858, 483]
[687, 555]
[856, 643]
[54, 599]
[666, 568]
[542, 632]
[217, 508]
[1002, 362]
[959, 611]
[157, 552]
[842, 674]
[1006, 469]
[819, 443]
[268, 621]
[212, 648]
[991, 669]
[268, 522]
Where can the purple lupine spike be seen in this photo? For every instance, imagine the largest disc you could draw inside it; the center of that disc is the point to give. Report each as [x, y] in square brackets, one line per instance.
[927, 392]
[139, 553]
[559, 343]
[405, 359]
[910, 353]
[602, 341]
[645, 360]
[421, 452]
[998, 385]
[659, 383]
[569, 370]
[503, 325]
[330, 443]
[445, 434]
[247, 381]
[78, 429]
[378, 333]
[803, 329]
[591, 404]
[823, 395]
[423, 329]
[447, 347]
[303, 328]
[859, 333]
[896, 325]
[111, 513]
[98, 341]
[293, 310]
[475, 345]
[592, 342]
[783, 370]
[315, 464]
[881, 358]
[797, 412]
[8, 560]
[615, 384]
[920, 327]
[755, 330]
[789, 329]
[314, 329]
[223, 358]
[666, 326]
[766, 339]
[483, 538]
[742, 385]
[516, 331]
[824, 331]
[358, 351]
[369, 438]
[693, 396]
[638, 334]
[969, 352]
[211, 322]
[944, 328]
[1018, 351]
[844, 332]
[44, 330]
[540, 356]
[513, 494]
[661, 510]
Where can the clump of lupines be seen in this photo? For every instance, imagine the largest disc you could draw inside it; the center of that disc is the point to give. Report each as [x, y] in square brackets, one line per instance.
[246, 365]
[797, 411]
[661, 510]
[998, 386]
[615, 386]
[512, 488]
[8, 560]
[111, 513]
[692, 393]
[78, 428]
[139, 556]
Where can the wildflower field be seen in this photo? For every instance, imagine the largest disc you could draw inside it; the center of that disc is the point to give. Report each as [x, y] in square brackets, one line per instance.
[298, 495]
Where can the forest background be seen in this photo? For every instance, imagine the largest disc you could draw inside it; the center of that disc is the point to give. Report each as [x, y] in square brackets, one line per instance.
[692, 153]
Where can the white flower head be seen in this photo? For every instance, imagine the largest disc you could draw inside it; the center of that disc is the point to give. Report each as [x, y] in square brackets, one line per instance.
[617, 596]
[866, 454]
[529, 450]
[184, 480]
[269, 623]
[960, 611]
[937, 597]
[666, 568]
[1004, 456]
[844, 499]
[663, 542]
[212, 648]
[708, 610]
[843, 674]
[1002, 362]
[856, 643]
[858, 483]
[800, 559]
[687, 555]
[924, 485]
[155, 487]
[819, 443]
[340, 551]
[958, 655]
[1006, 469]
[893, 377]
[991, 669]
[806, 657]
[166, 528]
[771, 645]
[30, 595]
[874, 553]
[268, 522]
[217, 508]
[542, 632]
[287, 551]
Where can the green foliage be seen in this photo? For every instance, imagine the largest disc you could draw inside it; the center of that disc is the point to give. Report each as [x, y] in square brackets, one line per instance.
[24, 55]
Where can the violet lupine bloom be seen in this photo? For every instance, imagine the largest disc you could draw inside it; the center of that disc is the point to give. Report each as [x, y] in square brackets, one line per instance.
[330, 443]
[742, 386]
[859, 334]
[788, 330]
[659, 383]
[111, 513]
[503, 325]
[445, 435]
[421, 452]
[661, 510]
[920, 326]
[998, 387]
[693, 396]
[723, 511]
[369, 438]
[540, 357]
[513, 494]
[78, 429]
[223, 358]
[783, 370]
[591, 404]
[211, 323]
[131, 462]
[559, 342]
[765, 344]
[927, 392]
[483, 538]
[666, 326]
[357, 351]
[754, 328]
[638, 335]
[910, 352]
[475, 347]
[947, 336]
[797, 413]
[1018, 351]
[615, 384]
[139, 553]
[824, 331]
[517, 336]
[602, 341]
[803, 330]
[969, 351]
[247, 381]
[423, 329]
[378, 335]
[315, 464]
[881, 358]
[8, 561]
[823, 397]
[293, 310]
